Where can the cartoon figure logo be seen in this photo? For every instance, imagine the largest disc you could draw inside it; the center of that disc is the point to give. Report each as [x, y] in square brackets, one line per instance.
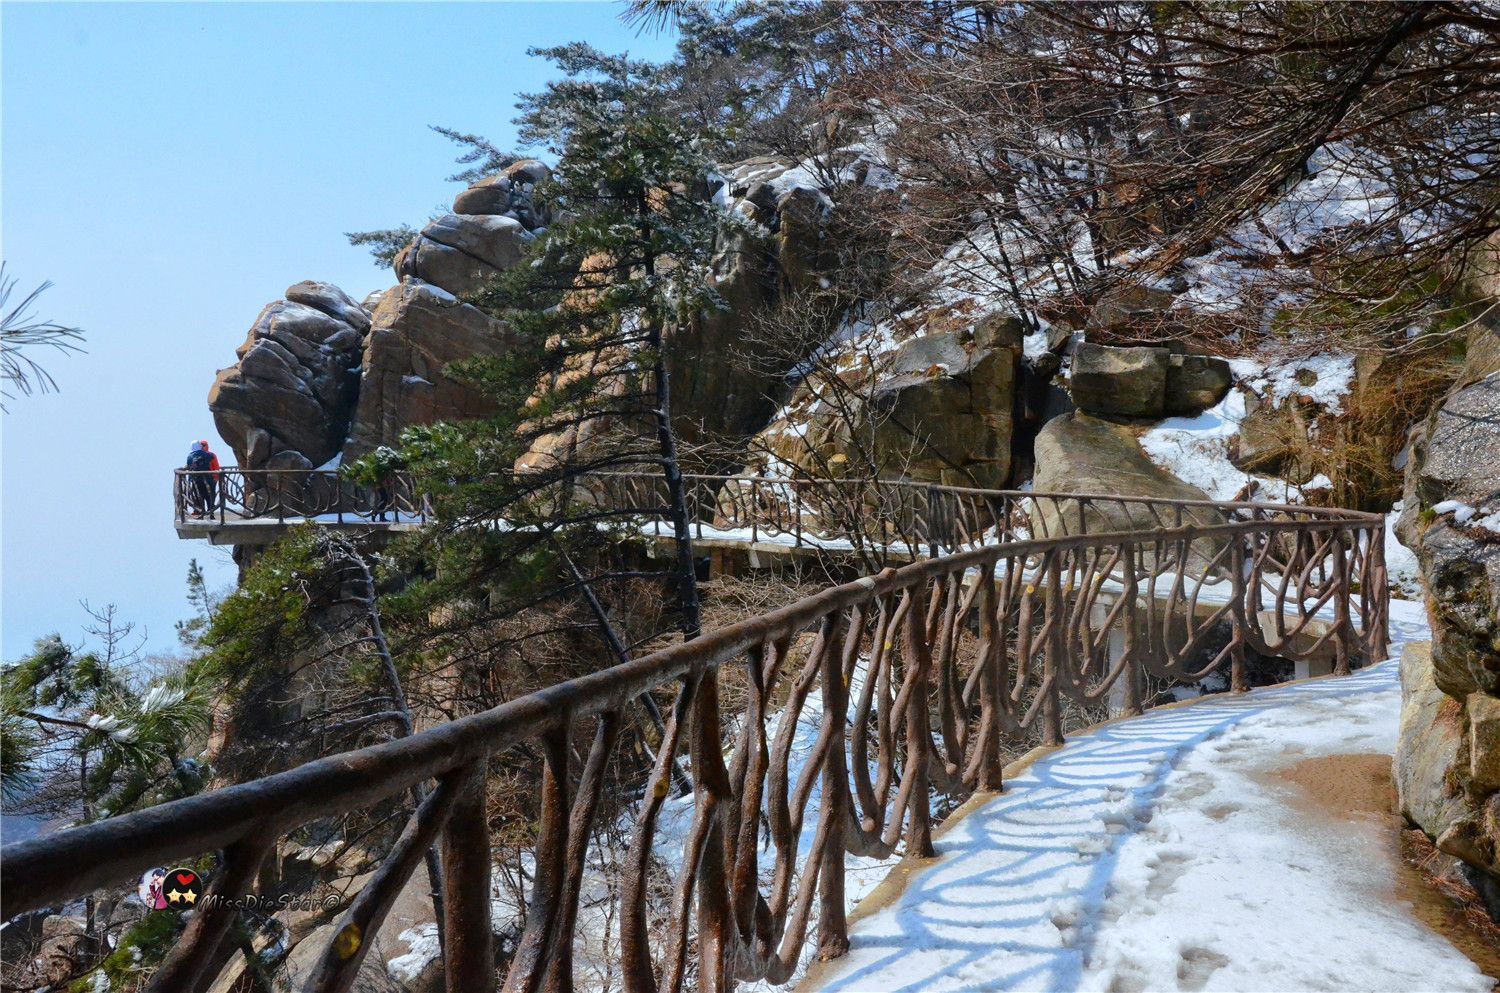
[181, 889]
[149, 890]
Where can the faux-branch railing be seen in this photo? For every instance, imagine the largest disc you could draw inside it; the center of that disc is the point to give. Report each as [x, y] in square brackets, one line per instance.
[925, 674]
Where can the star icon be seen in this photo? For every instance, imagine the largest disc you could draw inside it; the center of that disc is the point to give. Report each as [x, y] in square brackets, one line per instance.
[177, 896]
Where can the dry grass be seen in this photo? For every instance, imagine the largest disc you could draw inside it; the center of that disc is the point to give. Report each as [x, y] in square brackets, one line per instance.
[1467, 923]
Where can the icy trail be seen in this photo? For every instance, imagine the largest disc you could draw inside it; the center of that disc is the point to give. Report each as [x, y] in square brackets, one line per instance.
[1156, 854]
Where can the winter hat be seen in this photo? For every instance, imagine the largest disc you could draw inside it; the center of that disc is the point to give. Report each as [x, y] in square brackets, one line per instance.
[203, 445]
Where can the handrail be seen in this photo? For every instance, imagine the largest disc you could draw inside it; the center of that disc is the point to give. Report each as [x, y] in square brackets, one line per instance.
[770, 506]
[235, 495]
[926, 674]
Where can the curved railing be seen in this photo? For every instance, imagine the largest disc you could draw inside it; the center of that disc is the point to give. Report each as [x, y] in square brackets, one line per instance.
[888, 699]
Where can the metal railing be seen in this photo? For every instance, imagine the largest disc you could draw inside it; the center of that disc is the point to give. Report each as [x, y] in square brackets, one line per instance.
[924, 677]
[234, 495]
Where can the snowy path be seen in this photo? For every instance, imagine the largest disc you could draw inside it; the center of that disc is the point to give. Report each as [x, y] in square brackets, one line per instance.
[1156, 854]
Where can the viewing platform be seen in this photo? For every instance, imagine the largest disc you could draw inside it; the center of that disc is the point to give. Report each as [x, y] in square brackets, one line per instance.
[235, 506]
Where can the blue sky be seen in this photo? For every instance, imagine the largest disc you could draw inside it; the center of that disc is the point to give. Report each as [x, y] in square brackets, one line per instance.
[172, 168]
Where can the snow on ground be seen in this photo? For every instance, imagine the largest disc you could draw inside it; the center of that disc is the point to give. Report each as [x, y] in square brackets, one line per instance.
[1196, 449]
[1324, 379]
[1152, 854]
[422, 944]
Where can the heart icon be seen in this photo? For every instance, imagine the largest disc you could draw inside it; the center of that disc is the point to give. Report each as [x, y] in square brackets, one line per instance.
[184, 878]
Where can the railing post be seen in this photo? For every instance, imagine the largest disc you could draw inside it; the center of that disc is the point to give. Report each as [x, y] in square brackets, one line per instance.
[468, 955]
[541, 948]
[991, 768]
[1378, 592]
[918, 727]
[833, 925]
[716, 928]
[1055, 652]
[933, 521]
[1341, 604]
[796, 499]
[1133, 665]
[1239, 617]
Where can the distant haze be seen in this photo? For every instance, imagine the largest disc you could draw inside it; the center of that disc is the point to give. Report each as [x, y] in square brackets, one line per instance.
[172, 169]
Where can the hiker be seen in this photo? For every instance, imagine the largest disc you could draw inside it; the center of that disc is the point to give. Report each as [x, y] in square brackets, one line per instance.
[203, 481]
[382, 501]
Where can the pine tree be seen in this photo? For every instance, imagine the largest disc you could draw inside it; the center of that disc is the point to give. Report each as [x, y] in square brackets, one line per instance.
[584, 385]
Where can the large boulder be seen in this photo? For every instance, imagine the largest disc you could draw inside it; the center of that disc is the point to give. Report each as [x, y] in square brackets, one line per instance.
[720, 389]
[512, 191]
[1077, 453]
[294, 386]
[463, 252]
[1430, 746]
[729, 364]
[417, 331]
[944, 409]
[492, 224]
[1129, 309]
[1452, 523]
[1271, 437]
[1195, 383]
[1144, 381]
[1120, 382]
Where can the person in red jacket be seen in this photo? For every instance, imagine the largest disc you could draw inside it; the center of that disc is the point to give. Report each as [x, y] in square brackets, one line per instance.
[203, 486]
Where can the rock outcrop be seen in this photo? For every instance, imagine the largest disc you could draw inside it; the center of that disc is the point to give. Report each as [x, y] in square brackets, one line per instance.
[1146, 382]
[297, 378]
[321, 375]
[492, 223]
[417, 331]
[719, 393]
[1077, 453]
[1451, 520]
[1272, 435]
[729, 364]
[938, 408]
[1121, 382]
[943, 410]
[1430, 746]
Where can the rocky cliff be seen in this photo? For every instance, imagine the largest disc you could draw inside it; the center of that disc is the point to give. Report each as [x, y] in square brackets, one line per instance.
[1448, 761]
[321, 376]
